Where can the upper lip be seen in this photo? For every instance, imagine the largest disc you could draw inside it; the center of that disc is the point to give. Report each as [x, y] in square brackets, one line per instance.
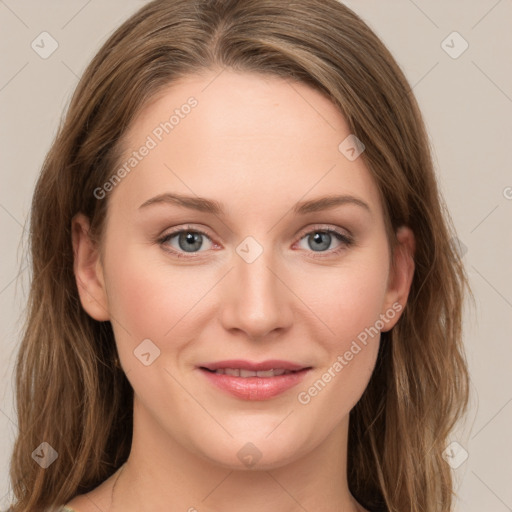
[271, 364]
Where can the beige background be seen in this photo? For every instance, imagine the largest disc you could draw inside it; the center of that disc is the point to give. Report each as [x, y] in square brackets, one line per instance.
[467, 104]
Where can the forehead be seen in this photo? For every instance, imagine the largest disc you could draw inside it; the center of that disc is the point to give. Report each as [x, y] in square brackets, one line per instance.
[221, 131]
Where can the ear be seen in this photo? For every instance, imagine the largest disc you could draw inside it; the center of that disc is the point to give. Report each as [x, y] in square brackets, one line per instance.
[88, 270]
[401, 276]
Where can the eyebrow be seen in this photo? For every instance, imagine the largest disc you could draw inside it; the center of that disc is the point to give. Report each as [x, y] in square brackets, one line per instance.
[211, 206]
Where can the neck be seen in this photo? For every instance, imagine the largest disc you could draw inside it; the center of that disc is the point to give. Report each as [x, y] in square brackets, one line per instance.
[161, 474]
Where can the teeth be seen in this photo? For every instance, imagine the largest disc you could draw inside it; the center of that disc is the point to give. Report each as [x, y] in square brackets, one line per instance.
[236, 372]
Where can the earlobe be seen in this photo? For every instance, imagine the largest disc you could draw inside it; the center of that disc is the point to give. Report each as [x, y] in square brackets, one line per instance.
[88, 270]
[401, 275]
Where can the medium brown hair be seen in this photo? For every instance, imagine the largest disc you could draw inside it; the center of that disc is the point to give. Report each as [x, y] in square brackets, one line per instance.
[69, 391]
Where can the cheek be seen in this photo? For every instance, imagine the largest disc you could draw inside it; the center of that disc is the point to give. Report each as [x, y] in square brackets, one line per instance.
[348, 302]
[350, 350]
[151, 299]
[347, 299]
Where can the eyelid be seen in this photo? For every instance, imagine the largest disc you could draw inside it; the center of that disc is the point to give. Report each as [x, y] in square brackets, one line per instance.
[324, 227]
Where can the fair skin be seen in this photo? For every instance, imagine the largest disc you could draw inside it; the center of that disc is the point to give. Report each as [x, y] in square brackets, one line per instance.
[257, 145]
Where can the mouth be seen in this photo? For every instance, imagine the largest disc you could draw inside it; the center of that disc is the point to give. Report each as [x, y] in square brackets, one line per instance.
[239, 372]
[254, 381]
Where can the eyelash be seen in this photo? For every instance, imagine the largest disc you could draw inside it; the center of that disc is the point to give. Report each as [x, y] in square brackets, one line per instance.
[347, 241]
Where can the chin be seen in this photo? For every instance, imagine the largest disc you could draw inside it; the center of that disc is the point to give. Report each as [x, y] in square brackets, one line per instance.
[253, 453]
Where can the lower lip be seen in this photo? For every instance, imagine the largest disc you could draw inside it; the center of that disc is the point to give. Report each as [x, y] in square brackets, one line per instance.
[255, 388]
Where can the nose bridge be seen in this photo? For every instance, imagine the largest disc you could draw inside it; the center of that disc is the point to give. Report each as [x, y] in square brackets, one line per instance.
[257, 302]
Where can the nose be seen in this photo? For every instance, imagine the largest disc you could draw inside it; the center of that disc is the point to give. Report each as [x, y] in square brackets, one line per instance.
[256, 299]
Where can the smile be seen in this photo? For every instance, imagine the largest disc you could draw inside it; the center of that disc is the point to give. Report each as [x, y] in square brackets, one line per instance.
[254, 384]
[238, 372]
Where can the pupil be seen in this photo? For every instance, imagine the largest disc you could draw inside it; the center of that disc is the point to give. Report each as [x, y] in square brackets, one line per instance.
[318, 240]
[189, 241]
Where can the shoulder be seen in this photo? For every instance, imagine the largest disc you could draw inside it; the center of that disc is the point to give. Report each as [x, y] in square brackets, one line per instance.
[93, 501]
[71, 507]
[81, 503]
[63, 508]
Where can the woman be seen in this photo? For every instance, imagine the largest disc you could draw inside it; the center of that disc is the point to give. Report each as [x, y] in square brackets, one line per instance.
[244, 292]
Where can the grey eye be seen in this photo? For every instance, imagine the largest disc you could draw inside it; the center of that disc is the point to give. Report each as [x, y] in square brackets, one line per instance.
[188, 240]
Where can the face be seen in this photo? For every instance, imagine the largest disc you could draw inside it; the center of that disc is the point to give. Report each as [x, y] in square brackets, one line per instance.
[219, 245]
